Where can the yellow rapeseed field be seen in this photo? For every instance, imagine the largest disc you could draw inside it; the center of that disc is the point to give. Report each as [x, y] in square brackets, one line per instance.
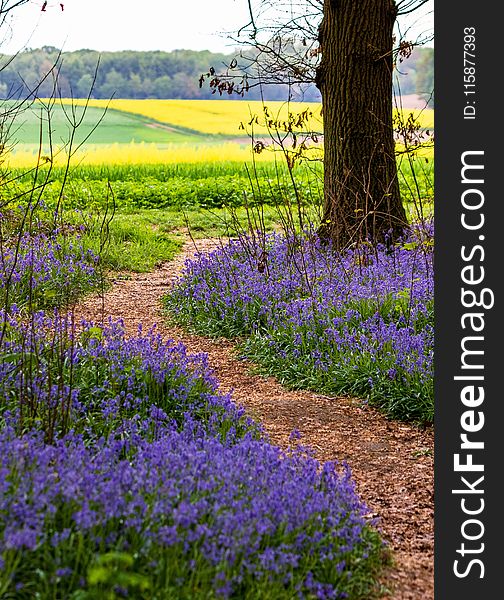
[221, 117]
[25, 155]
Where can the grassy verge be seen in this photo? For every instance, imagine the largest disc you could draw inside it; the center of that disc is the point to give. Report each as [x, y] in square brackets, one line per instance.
[131, 241]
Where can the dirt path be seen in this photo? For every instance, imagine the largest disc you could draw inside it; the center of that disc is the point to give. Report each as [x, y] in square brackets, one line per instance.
[391, 462]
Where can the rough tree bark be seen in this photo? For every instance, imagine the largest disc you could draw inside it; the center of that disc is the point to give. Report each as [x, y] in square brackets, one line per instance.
[361, 190]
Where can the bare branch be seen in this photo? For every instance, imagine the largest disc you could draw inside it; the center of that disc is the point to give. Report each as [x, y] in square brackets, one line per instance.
[405, 7]
[250, 23]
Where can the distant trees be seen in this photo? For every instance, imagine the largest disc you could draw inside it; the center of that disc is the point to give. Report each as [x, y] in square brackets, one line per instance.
[131, 74]
[425, 76]
[415, 74]
[125, 74]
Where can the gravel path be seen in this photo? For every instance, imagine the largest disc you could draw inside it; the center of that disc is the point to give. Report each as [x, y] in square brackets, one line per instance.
[391, 462]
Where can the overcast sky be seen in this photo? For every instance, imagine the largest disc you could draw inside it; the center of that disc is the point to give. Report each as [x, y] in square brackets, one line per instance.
[132, 25]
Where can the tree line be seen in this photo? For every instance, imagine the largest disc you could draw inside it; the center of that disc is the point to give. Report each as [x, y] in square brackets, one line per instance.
[158, 74]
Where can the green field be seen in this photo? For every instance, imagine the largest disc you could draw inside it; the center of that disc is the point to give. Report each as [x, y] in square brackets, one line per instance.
[98, 126]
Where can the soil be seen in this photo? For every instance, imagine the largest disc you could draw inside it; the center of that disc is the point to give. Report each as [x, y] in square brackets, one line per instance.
[391, 462]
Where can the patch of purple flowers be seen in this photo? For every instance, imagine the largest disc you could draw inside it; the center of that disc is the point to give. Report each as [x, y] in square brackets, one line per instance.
[125, 472]
[94, 379]
[145, 457]
[358, 322]
[44, 271]
[245, 510]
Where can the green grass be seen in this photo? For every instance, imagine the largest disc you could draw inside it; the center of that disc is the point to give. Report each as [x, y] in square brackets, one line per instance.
[141, 240]
[128, 241]
[203, 223]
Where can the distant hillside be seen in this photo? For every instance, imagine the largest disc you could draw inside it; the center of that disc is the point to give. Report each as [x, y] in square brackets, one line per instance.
[175, 75]
[126, 74]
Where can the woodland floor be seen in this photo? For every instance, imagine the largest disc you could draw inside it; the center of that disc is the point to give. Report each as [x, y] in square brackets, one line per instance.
[391, 462]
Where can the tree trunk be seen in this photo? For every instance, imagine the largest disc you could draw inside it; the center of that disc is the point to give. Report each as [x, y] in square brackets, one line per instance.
[361, 191]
